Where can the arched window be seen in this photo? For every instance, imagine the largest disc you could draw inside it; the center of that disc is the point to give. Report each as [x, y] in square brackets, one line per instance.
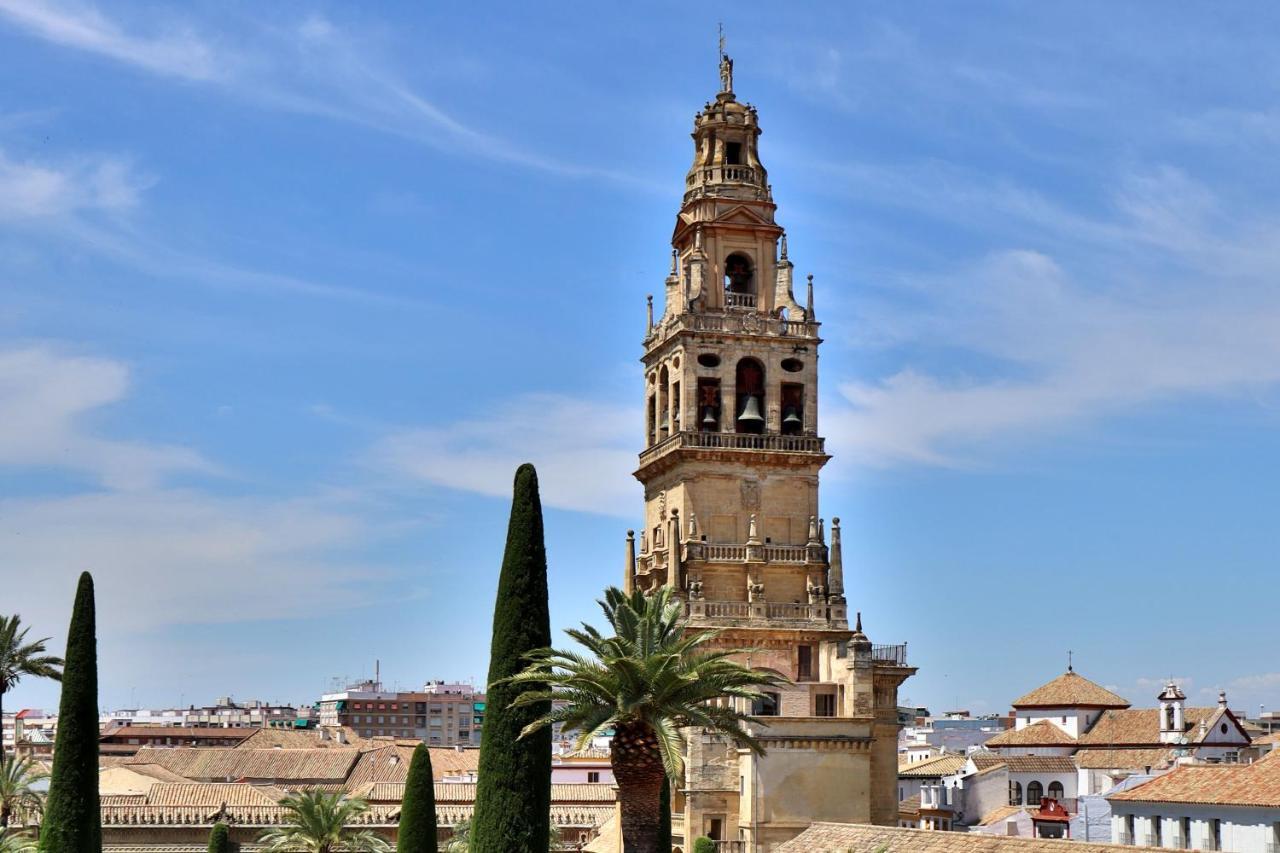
[664, 404]
[1015, 793]
[1035, 793]
[739, 281]
[749, 411]
[1168, 718]
[1055, 790]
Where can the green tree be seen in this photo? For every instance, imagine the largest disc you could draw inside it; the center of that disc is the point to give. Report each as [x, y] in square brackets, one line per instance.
[72, 815]
[704, 845]
[664, 825]
[647, 682]
[417, 833]
[460, 840]
[320, 822]
[19, 657]
[219, 838]
[16, 842]
[18, 797]
[513, 791]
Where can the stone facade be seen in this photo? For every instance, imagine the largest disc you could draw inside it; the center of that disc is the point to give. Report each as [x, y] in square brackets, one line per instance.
[732, 523]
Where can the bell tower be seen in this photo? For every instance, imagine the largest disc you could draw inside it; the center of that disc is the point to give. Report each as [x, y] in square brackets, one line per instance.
[732, 453]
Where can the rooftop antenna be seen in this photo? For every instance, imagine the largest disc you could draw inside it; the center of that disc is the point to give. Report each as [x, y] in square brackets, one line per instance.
[1070, 663]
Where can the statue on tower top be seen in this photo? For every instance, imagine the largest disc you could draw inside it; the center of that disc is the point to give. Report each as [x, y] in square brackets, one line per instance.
[726, 66]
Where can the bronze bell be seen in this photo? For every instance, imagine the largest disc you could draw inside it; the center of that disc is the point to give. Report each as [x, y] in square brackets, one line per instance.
[751, 411]
[709, 417]
[791, 418]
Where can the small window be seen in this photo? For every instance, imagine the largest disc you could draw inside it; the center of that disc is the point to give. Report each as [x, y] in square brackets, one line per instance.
[709, 359]
[593, 775]
[733, 153]
[1223, 728]
[1015, 793]
[766, 706]
[824, 705]
[792, 365]
[1035, 793]
[1055, 790]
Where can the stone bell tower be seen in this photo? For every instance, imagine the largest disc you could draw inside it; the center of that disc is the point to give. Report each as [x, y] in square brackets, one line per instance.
[732, 523]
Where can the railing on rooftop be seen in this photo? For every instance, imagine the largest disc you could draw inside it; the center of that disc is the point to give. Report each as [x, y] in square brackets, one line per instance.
[720, 174]
[735, 441]
[890, 655]
[739, 300]
[735, 321]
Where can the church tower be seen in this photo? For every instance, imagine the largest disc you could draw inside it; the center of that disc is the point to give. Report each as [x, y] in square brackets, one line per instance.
[732, 523]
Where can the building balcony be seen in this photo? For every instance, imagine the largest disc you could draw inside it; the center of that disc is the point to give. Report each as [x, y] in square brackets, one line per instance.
[738, 319]
[734, 441]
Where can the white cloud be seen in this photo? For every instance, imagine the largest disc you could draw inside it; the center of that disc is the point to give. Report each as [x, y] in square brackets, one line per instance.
[1264, 681]
[1184, 305]
[166, 556]
[46, 397]
[177, 52]
[313, 67]
[584, 452]
[30, 190]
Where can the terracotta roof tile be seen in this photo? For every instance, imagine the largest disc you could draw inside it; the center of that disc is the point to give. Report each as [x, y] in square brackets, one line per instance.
[1070, 690]
[1039, 764]
[858, 838]
[1042, 733]
[217, 764]
[939, 765]
[1256, 784]
[1140, 726]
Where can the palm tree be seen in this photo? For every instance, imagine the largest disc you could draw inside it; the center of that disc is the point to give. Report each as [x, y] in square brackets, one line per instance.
[19, 658]
[17, 797]
[16, 842]
[647, 682]
[318, 823]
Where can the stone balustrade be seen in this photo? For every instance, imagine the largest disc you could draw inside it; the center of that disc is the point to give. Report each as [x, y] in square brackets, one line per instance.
[734, 441]
[736, 321]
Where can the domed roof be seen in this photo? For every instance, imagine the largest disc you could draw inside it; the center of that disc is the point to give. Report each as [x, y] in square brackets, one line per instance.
[1070, 690]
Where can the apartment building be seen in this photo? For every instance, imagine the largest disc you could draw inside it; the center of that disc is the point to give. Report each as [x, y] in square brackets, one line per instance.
[440, 714]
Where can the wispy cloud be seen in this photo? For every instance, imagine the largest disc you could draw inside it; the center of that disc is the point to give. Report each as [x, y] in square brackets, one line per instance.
[312, 67]
[1188, 308]
[583, 451]
[47, 397]
[177, 52]
[31, 190]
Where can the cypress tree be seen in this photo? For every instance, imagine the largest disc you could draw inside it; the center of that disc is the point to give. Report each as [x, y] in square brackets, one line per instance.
[417, 833]
[664, 825]
[218, 839]
[72, 815]
[513, 791]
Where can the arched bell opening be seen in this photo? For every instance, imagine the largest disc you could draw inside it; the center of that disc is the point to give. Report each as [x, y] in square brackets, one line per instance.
[709, 405]
[739, 281]
[664, 404]
[792, 408]
[749, 410]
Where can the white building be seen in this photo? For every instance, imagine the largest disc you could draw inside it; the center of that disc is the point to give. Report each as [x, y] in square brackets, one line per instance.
[1204, 807]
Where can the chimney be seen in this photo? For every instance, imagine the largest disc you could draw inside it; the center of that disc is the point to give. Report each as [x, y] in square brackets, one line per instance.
[1222, 699]
[340, 735]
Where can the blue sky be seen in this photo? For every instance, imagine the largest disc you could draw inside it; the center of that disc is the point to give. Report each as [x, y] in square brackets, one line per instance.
[289, 291]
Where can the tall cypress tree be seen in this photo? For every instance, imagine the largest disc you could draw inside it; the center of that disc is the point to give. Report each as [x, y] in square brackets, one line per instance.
[219, 841]
[72, 816]
[513, 792]
[417, 833]
[664, 825]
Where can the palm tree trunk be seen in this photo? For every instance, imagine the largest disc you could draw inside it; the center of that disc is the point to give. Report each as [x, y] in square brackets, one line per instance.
[638, 770]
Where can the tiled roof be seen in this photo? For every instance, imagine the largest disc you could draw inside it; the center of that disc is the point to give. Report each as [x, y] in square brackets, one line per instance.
[1070, 690]
[213, 794]
[910, 807]
[1039, 764]
[465, 792]
[1000, 814]
[1042, 733]
[1140, 726]
[940, 765]
[1256, 784]
[985, 760]
[216, 764]
[123, 799]
[1121, 759]
[858, 838]
[294, 739]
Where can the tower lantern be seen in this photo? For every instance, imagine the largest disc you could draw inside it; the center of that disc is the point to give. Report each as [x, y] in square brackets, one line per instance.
[732, 439]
